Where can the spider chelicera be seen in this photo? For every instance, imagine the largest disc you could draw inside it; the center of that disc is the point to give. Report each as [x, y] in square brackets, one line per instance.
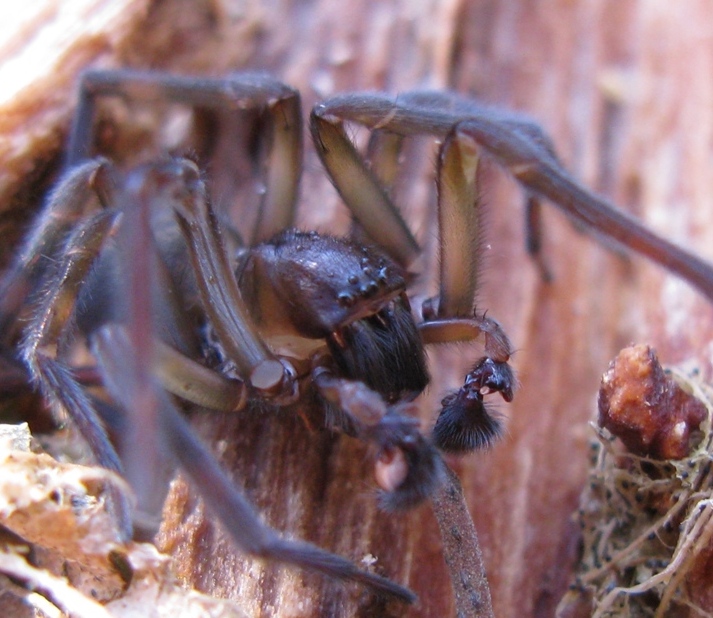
[176, 306]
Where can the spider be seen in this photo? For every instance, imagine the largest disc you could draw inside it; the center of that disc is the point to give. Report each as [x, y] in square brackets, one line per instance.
[178, 309]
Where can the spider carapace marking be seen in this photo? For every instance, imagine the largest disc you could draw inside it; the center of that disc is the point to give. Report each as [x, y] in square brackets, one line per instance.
[139, 261]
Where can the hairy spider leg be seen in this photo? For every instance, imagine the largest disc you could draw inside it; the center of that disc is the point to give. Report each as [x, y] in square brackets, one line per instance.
[459, 226]
[71, 200]
[360, 188]
[221, 297]
[279, 104]
[69, 273]
[464, 559]
[144, 193]
[44, 346]
[517, 124]
[527, 154]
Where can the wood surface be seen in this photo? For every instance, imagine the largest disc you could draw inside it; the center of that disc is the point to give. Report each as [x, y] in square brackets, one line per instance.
[624, 89]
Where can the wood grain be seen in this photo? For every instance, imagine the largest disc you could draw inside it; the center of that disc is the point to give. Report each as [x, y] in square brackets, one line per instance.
[623, 87]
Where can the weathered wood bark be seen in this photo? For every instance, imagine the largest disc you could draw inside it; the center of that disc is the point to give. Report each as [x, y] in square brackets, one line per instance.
[623, 87]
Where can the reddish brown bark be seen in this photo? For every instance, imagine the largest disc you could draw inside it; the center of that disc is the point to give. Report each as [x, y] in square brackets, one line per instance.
[623, 88]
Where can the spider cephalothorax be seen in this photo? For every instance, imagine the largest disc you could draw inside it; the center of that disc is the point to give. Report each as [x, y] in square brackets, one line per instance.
[139, 261]
[315, 286]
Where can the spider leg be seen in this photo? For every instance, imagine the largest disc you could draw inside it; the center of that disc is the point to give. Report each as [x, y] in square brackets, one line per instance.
[194, 382]
[145, 191]
[48, 333]
[545, 177]
[533, 236]
[382, 157]
[81, 268]
[146, 197]
[464, 558]
[43, 347]
[525, 152]
[279, 104]
[219, 293]
[461, 238]
[113, 347]
[533, 203]
[408, 468]
[465, 423]
[76, 195]
[360, 188]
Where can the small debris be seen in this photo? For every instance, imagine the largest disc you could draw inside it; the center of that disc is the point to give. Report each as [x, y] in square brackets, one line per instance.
[646, 409]
[61, 552]
[646, 512]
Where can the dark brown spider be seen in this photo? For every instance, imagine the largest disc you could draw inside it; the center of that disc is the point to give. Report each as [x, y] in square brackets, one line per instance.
[174, 304]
